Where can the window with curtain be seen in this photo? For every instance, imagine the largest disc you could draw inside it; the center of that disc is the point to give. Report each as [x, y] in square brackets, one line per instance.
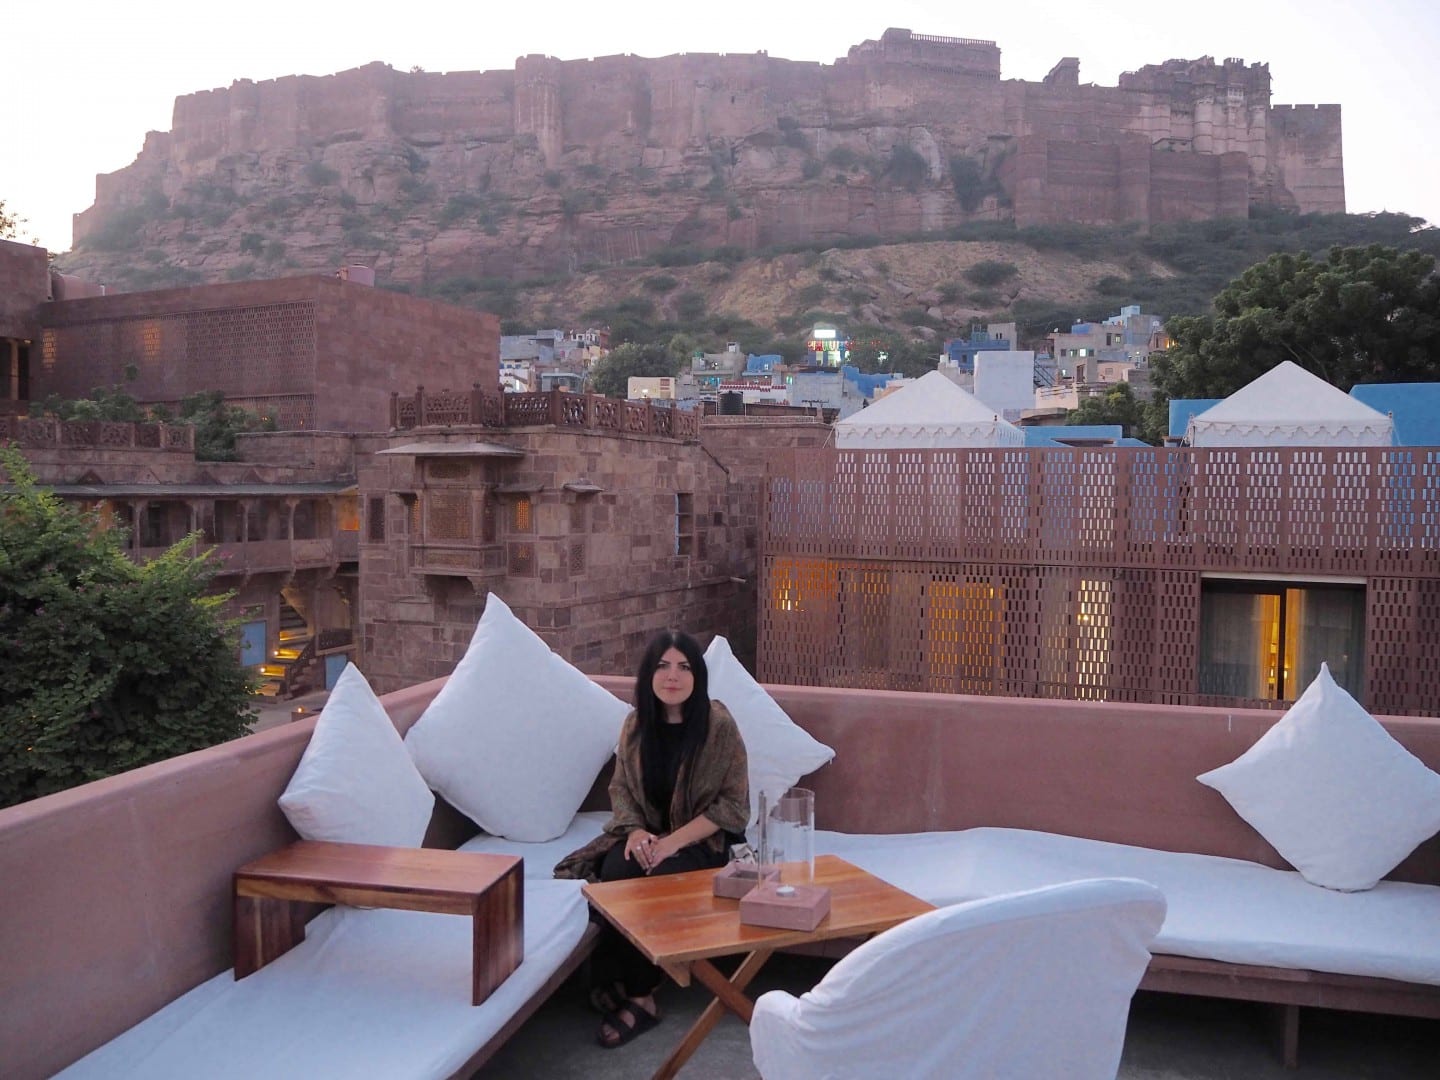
[1267, 640]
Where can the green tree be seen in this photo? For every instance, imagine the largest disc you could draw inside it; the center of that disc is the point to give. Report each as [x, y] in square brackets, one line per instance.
[216, 423]
[104, 403]
[611, 376]
[9, 223]
[109, 665]
[875, 350]
[1360, 314]
[989, 272]
[1116, 406]
[971, 182]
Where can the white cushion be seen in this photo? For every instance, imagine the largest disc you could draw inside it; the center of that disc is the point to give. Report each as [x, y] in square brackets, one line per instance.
[1331, 791]
[367, 993]
[780, 751]
[355, 783]
[516, 737]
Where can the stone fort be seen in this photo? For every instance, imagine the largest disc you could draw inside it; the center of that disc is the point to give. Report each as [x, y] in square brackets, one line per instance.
[561, 162]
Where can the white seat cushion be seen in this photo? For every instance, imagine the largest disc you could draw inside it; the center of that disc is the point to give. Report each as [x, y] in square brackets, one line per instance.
[540, 859]
[1219, 909]
[368, 993]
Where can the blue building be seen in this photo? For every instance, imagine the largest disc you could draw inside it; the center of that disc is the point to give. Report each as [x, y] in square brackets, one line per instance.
[961, 352]
[1414, 407]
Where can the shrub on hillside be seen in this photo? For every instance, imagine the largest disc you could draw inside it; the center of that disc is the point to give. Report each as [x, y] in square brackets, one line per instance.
[318, 174]
[990, 272]
[907, 167]
[690, 306]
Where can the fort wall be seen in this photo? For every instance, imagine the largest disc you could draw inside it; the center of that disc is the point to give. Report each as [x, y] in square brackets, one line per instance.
[612, 157]
[1305, 146]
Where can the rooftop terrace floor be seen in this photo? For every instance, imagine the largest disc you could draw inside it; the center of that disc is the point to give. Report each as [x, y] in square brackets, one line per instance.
[1170, 1037]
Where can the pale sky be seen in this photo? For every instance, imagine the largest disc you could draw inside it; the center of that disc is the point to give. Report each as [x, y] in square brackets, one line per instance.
[86, 80]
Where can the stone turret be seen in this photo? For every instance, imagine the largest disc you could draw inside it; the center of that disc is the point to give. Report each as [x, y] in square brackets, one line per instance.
[968, 55]
[1065, 73]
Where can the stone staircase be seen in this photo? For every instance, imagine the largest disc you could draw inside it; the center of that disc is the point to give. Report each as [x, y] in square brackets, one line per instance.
[285, 673]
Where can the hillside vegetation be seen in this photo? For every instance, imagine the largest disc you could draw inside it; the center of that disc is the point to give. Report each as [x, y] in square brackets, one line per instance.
[924, 290]
[891, 295]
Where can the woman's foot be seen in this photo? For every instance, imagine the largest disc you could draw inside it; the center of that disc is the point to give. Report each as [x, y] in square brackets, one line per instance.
[635, 1017]
[606, 998]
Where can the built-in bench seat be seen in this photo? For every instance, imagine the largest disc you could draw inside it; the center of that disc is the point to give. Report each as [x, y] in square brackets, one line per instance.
[368, 993]
[390, 990]
[116, 897]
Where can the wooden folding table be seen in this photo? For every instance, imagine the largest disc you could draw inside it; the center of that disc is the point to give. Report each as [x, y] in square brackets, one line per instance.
[677, 922]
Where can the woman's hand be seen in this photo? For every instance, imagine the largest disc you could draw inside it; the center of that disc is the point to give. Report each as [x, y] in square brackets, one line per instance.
[650, 850]
[638, 846]
[660, 849]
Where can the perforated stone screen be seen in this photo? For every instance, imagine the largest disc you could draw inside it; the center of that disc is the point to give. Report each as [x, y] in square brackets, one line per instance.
[1077, 573]
[267, 349]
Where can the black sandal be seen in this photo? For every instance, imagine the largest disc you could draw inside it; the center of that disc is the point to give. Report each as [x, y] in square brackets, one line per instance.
[607, 999]
[624, 1033]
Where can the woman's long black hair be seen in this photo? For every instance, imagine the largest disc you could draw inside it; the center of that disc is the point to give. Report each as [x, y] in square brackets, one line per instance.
[650, 713]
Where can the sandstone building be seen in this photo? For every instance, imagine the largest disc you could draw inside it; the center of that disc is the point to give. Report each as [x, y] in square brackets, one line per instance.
[560, 163]
[316, 353]
[599, 522]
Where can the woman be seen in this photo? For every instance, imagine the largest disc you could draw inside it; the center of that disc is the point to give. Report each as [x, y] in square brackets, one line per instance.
[679, 797]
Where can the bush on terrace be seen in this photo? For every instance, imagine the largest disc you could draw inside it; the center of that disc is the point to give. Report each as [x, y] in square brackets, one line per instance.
[109, 665]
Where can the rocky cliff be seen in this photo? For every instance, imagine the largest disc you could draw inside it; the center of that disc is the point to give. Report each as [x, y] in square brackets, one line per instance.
[562, 165]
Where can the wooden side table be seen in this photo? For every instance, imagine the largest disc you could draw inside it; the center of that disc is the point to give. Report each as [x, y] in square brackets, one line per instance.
[269, 892]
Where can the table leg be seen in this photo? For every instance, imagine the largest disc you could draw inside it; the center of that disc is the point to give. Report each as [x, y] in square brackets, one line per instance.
[265, 929]
[731, 997]
[498, 935]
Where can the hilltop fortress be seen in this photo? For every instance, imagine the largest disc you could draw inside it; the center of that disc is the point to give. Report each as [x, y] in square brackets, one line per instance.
[559, 163]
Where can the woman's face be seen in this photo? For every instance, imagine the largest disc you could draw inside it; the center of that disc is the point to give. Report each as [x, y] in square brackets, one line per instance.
[673, 681]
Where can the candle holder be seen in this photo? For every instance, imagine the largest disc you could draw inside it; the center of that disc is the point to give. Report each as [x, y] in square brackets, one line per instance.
[737, 879]
[786, 895]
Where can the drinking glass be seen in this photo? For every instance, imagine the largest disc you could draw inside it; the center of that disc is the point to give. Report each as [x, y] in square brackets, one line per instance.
[790, 830]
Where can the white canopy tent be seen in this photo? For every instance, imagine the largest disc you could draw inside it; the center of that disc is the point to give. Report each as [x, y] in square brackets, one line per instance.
[930, 412]
[1288, 406]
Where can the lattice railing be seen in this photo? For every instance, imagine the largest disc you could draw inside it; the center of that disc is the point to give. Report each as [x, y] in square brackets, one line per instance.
[43, 432]
[557, 408]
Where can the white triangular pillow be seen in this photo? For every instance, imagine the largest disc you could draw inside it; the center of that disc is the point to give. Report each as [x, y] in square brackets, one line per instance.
[515, 739]
[355, 783]
[1332, 791]
[779, 750]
